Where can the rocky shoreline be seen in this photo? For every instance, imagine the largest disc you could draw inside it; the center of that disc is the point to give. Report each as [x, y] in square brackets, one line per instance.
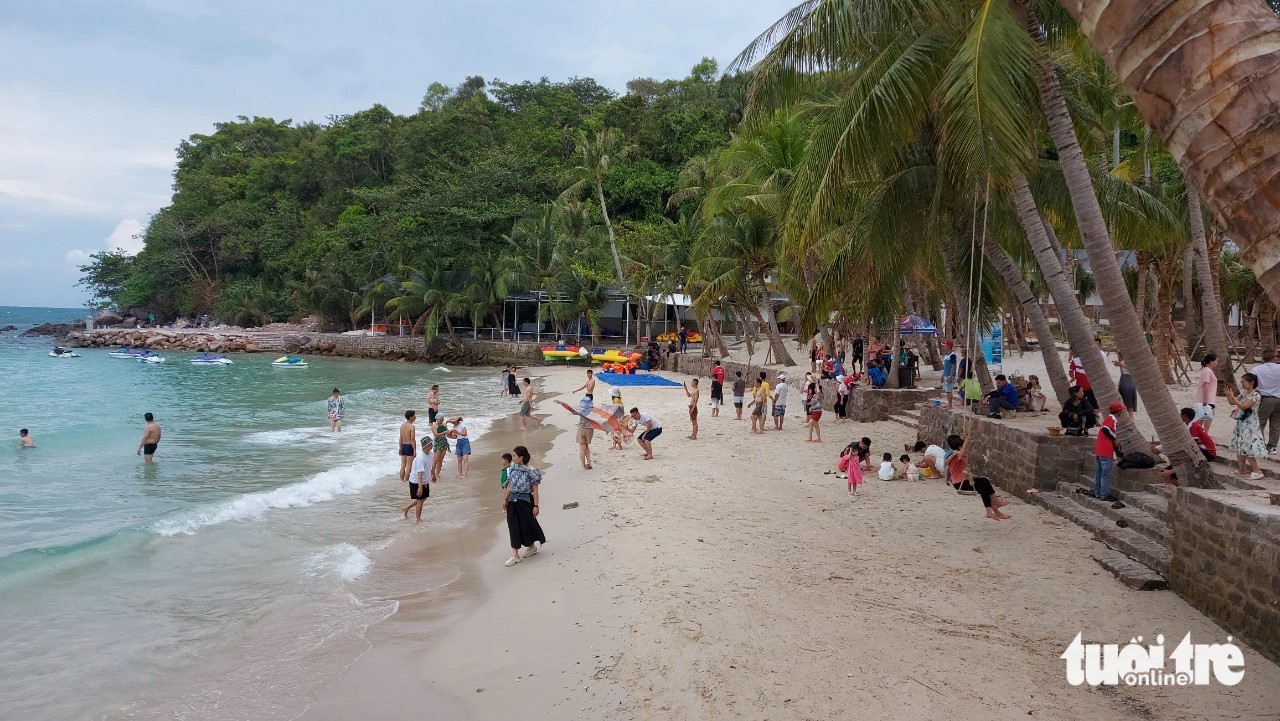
[440, 350]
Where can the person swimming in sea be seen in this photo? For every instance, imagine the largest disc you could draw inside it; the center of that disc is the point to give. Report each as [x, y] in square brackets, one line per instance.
[25, 439]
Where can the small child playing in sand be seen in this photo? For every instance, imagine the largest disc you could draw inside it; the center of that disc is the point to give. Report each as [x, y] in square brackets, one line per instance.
[910, 471]
[848, 467]
[887, 469]
[506, 463]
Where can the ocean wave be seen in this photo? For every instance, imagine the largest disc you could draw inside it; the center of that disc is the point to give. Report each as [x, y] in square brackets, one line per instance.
[324, 486]
[292, 436]
[348, 561]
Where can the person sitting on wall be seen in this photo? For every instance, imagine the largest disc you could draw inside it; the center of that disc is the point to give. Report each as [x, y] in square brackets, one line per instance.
[1198, 434]
[1003, 398]
[1078, 412]
[876, 374]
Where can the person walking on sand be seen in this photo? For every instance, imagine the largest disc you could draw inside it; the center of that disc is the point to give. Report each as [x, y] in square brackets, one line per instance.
[693, 395]
[586, 431]
[780, 402]
[336, 406]
[433, 404]
[1246, 439]
[526, 404]
[589, 386]
[419, 480]
[461, 446]
[520, 504]
[652, 429]
[739, 394]
[815, 415]
[1268, 373]
[150, 438]
[25, 440]
[717, 388]
[408, 443]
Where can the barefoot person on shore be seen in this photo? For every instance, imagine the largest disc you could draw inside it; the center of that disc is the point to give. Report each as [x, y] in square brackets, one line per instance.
[336, 407]
[439, 447]
[589, 386]
[957, 472]
[433, 404]
[408, 444]
[717, 389]
[419, 478]
[461, 446]
[648, 429]
[694, 394]
[815, 414]
[512, 390]
[739, 394]
[759, 402]
[586, 431]
[150, 438]
[780, 402]
[520, 503]
[526, 403]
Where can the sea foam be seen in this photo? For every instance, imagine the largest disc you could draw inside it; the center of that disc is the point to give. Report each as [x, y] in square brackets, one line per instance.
[324, 486]
[348, 561]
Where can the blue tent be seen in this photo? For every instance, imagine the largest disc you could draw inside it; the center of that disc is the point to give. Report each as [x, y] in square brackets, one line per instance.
[915, 325]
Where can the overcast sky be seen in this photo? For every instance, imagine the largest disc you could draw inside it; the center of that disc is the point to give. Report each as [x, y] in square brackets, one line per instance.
[97, 94]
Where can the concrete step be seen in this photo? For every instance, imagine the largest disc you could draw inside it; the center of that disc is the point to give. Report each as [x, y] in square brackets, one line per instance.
[903, 419]
[1130, 572]
[1136, 517]
[1126, 540]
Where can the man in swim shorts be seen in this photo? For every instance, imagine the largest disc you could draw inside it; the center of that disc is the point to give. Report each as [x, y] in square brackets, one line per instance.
[25, 440]
[433, 404]
[150, 438]
[408, 449]
[526, 403]
[589, 386]
[649, 429]
[694, 394]
[419, 481]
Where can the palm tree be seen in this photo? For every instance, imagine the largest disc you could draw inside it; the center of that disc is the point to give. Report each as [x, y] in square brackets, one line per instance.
[581, 294]
[486, 285]
[596, 153]
[1212, 319]
[329, 296]
[1196, 74]
[537, 246]
[429, 296]
[734, 261]
[972, 68]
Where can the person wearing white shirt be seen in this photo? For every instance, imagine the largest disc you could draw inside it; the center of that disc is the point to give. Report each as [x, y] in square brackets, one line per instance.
[652, 429]
[419, 480]
[887, 471]
[780, 401]
[1268, 373]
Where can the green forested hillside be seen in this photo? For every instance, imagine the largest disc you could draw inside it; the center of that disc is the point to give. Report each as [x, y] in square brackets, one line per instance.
[272, 219]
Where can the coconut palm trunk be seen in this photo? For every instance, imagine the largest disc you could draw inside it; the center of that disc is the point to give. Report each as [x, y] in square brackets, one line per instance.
[1071, 316]
[1012, 275]
[1211, 318]
[1203, 76]
[780, 354]
[1128, 330]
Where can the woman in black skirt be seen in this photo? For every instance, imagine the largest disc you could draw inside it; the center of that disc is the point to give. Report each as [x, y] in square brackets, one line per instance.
[521, 505]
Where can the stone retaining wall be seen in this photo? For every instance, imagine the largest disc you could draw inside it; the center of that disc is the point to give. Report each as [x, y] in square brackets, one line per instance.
[440, 350]
[1226, 561]
[1014, 459]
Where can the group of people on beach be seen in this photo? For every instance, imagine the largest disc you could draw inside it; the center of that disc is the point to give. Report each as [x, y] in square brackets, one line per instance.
[414, 468]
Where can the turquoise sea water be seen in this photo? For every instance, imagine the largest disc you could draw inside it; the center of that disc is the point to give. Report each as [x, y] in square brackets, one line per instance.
[135, 591]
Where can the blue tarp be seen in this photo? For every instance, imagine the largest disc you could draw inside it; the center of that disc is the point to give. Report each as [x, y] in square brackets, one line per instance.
[635, 379]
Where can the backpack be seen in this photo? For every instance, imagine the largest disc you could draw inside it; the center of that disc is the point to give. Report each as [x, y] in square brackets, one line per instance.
[1137, 459]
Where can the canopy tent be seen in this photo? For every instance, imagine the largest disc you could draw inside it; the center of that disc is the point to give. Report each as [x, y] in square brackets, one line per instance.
[915, 325]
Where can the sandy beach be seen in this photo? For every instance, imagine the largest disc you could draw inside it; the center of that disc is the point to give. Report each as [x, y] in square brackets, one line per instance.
[733, 577]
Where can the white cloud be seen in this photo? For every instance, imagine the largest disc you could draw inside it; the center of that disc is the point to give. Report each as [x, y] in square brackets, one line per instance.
[78, 257]
[127, 237]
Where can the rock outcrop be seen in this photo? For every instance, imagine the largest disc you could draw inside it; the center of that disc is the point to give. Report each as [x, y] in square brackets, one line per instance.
[54, 329]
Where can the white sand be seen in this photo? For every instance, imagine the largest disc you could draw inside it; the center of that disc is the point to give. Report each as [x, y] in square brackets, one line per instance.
[732, 578]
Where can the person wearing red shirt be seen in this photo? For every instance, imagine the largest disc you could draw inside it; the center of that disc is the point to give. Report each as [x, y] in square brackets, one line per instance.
[717, 389]
[1105, 450]
[1198, 434]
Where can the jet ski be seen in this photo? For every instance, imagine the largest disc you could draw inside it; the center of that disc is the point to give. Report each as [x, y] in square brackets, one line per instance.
[150, 358]
[131, 353]
[211, 359]
[289, 361]
[60, 352]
